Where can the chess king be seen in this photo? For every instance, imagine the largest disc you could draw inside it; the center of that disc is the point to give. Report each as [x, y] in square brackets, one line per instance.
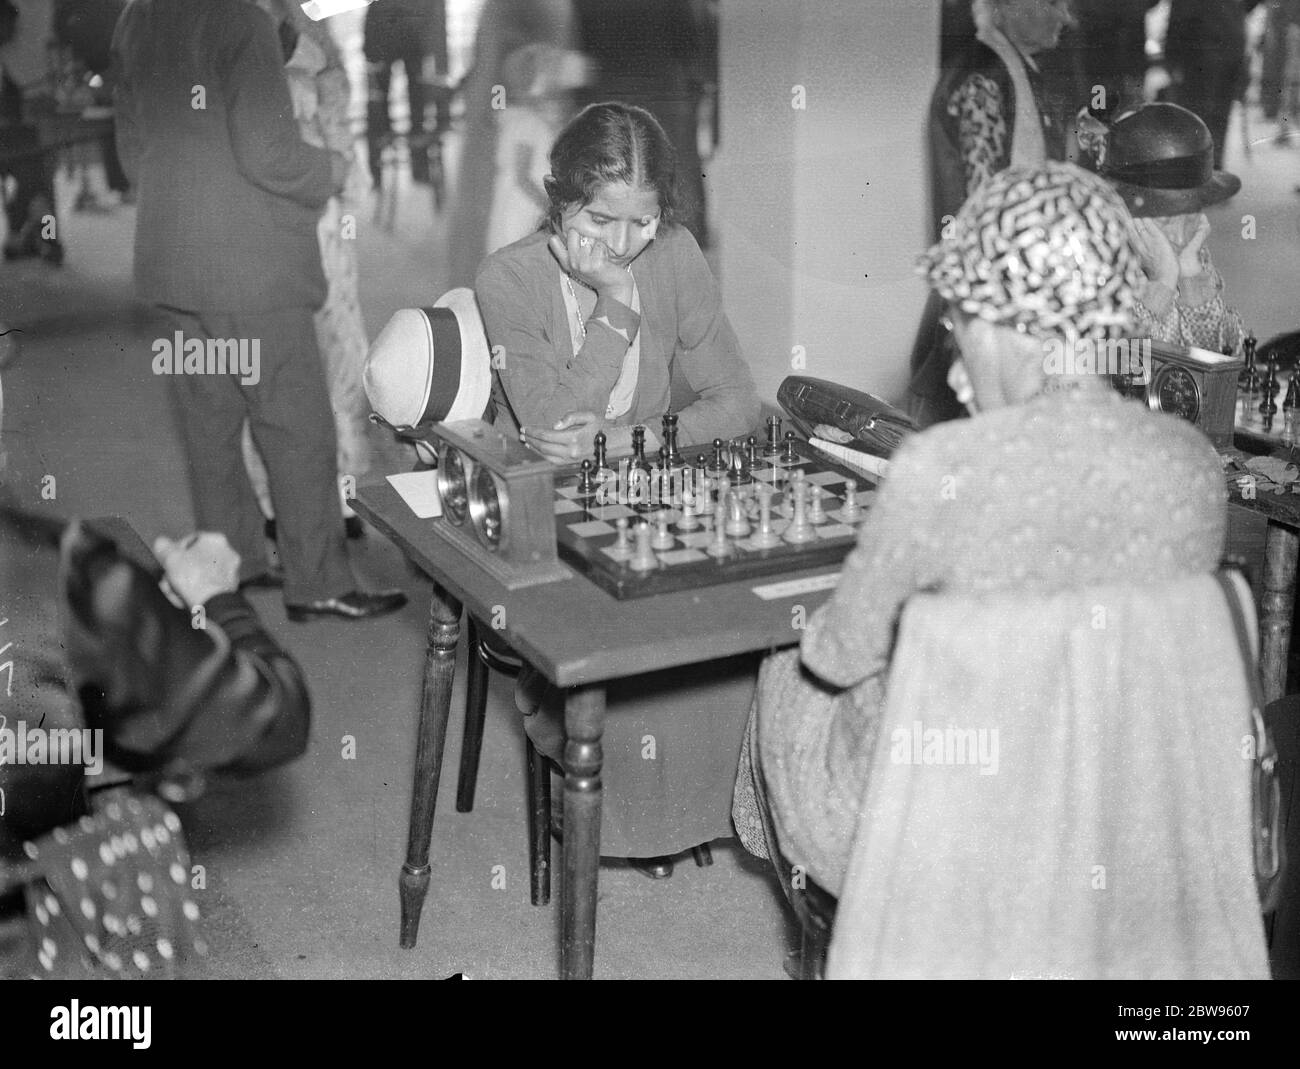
[597, 312]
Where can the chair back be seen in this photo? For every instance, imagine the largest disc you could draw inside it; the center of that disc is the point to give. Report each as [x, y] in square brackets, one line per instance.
[1062, 787]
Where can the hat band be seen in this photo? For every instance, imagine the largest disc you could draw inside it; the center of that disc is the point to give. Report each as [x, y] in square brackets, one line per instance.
[1180, 172]
[445, 376]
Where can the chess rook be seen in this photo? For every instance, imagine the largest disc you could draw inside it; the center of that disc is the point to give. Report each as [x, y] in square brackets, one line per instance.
[773, 446]
[671, 454]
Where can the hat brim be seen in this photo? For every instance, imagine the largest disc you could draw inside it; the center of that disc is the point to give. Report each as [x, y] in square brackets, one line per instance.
[1145, 202]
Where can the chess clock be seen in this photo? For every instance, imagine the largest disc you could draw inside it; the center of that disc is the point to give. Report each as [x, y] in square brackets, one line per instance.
[1196, 385]
[497, 503]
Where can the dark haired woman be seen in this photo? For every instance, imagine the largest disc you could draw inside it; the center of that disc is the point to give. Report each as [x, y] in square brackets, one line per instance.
[598, 315]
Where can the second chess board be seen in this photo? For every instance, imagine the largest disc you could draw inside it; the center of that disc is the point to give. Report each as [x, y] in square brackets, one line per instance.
[586, 530]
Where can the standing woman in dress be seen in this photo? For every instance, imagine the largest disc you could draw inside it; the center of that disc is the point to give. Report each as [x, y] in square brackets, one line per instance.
[988, 112]
[592, 318]
[319, 88]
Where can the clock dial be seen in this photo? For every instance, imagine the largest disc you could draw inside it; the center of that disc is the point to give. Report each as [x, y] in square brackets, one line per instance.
[453, 487]
[488, 502]
[1175, 391]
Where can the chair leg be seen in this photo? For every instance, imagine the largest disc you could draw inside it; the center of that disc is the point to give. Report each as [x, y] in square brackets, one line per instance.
[539, 824]
[476, 686]
[703, 855]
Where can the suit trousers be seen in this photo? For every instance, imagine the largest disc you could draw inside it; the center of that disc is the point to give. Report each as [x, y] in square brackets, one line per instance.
[288, 412]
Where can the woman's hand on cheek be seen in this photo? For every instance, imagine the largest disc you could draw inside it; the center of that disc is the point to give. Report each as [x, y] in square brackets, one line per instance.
[1189, 257]
[587, 260]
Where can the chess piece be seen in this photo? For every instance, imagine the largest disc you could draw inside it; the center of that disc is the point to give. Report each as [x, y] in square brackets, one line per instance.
[816, 511]
[718, 465]
[622, 548]
[586, 482]
[688, 521]
[773, 446]
[1292, 392]
[751, 452]
[738, 468]
[788, 453]
[737, 521]
[851, 510]
[1268, 406]
[602, 463]
[704, 496]
[800, 530]
[765, 537]
[1249, 377]
[638, 449]
[643, 557]
[663, 538]
[671, 453]
[718, 547]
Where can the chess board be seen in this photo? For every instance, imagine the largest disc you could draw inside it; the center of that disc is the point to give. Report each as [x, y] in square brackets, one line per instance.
[586, 533]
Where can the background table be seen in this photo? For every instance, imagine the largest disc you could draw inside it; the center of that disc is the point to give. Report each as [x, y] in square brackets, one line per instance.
[580, 638]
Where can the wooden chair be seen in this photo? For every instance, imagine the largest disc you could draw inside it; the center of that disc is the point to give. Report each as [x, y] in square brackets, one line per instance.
[895, 853]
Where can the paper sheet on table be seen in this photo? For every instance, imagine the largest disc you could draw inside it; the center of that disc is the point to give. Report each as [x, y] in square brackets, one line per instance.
[419, 489]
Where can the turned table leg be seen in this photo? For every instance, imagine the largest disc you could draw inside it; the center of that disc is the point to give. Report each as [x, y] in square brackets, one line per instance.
[435, 707]
[584, 722]
[1281, 546]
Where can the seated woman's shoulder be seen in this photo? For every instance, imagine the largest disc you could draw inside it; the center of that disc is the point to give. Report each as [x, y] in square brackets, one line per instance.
[519, 256]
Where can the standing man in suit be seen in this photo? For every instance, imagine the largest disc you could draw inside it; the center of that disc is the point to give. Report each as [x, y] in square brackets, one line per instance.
[225, 245]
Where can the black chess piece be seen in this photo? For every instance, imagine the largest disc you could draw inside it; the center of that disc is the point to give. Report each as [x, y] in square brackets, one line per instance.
[788, 453]
[600, 442]
[738, 469]
[1292, 392]
[671, 453]
[751, 452]
[586, 481]
[773, 446]
[639, 460]
[1248, 380]
[718, 465]
[1268, 406]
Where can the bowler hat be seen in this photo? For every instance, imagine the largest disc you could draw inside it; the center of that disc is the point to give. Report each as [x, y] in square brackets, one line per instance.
[431, 364]
[1160, 158]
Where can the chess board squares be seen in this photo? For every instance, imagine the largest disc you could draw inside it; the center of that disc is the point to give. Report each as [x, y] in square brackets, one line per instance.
[591, 529]
[565, 505]
[611, 512]
[835, 530]
[682, 556]
[824, 478]
[566, 491]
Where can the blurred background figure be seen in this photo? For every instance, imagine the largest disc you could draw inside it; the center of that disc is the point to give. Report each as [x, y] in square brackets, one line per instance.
[1205, 53]
[85, 28]
[25, 168]
[1280, 74]
[318, 86]
[990, 110]
[659, 55]
[538, 79]
[504, 26]
[410, 32]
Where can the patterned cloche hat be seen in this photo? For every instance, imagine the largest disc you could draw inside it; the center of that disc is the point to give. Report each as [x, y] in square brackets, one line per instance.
[1046, 250]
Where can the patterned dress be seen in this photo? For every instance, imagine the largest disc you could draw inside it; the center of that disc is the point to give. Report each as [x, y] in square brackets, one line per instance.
[1072, 489]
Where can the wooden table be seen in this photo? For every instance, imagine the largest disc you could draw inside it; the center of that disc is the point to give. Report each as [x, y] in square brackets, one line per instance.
[580, 638]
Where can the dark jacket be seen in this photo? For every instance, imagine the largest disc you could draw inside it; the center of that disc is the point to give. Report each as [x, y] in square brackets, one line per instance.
[229, 193]
[170, 698]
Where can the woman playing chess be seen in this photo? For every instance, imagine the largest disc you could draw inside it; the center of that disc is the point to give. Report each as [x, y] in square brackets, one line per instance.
[600, 321]
[1059, 484]
[594, 318]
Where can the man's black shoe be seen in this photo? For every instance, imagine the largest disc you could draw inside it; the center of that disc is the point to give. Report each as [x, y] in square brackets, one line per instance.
[354, 606]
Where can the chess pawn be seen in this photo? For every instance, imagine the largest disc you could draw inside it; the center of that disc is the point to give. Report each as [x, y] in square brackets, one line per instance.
[622, 547]
[765, 537]
[718, 547]
[816, 511]
[643, 557]
[718, 463]
[852, 510]
[788, 453]
[586, 482]
[662, 538]
[1292, 392]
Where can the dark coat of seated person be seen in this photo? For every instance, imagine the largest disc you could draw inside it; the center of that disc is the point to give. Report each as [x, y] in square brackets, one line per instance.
[179, 675]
